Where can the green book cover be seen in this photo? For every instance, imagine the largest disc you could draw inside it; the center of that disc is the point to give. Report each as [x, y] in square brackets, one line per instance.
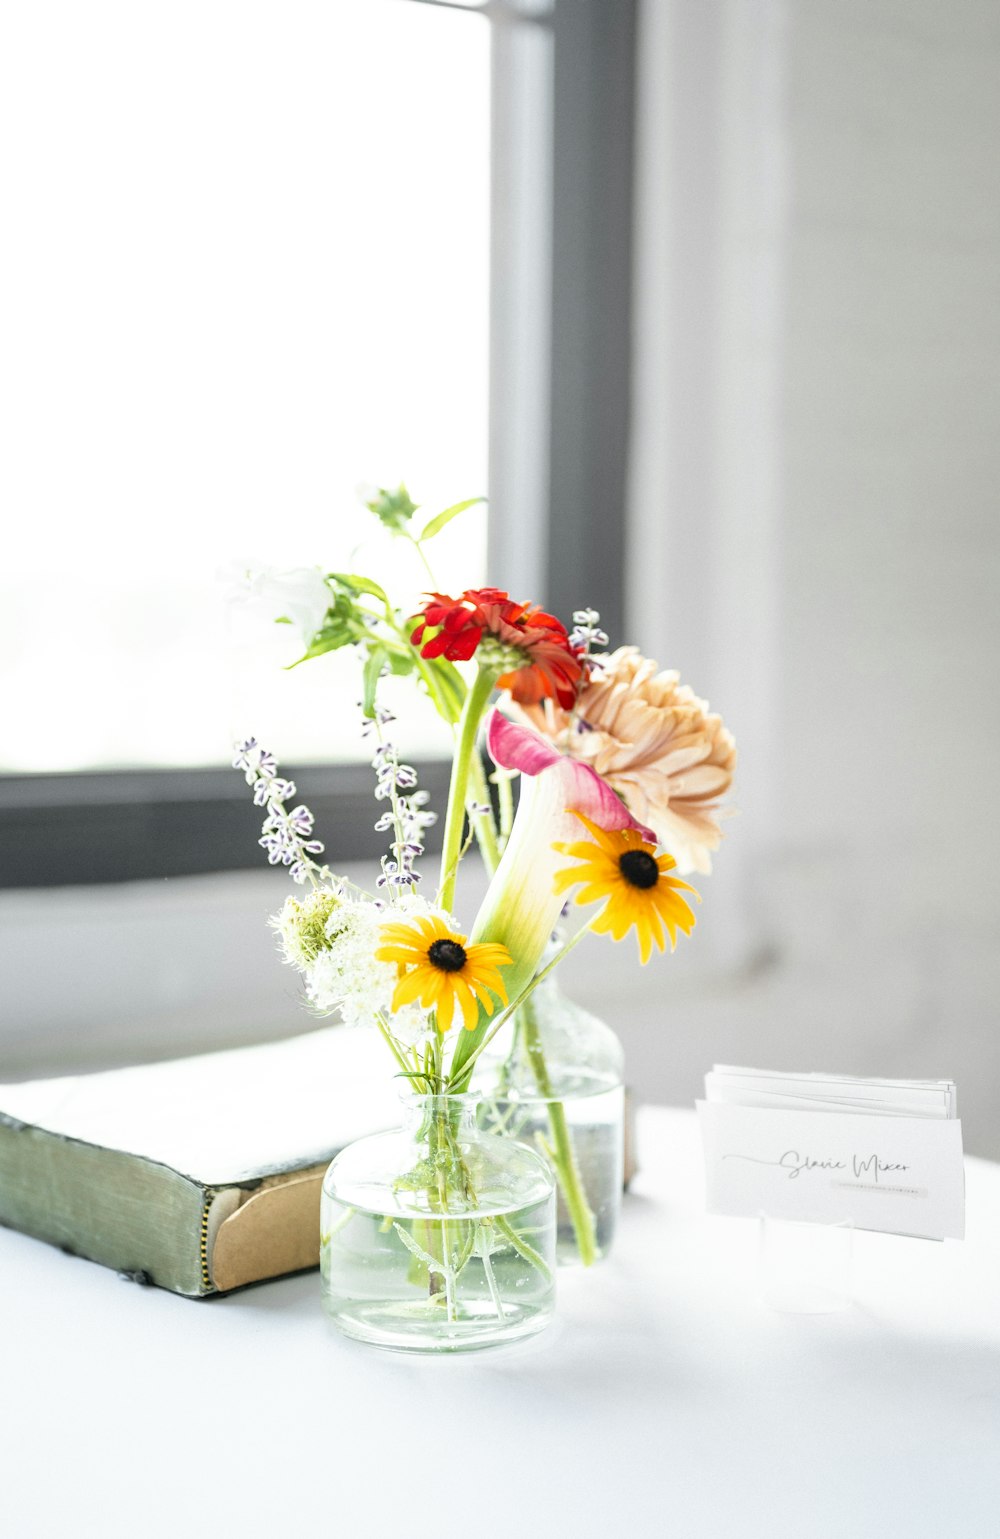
[196, 1174]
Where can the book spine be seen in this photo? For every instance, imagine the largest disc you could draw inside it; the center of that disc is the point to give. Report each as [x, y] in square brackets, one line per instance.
[132, 1214]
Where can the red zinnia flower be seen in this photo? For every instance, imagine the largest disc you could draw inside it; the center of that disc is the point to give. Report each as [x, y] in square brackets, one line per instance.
[533, 647]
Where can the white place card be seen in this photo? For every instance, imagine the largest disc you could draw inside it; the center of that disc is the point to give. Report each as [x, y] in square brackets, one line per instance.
[880, 1155]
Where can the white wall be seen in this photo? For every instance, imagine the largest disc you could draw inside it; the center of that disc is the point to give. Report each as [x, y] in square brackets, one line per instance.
[815, 533]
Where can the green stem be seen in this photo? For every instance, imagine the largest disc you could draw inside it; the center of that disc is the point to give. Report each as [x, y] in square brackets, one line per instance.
[473, 711]
[438, 1282]
[387, 1036]
[491, 1281]
[505, 791]
[522, 1247]
[423, 556]
[441, 704]
[484, 826]
[464, 1060]
[337, 1225]
[561, 1150]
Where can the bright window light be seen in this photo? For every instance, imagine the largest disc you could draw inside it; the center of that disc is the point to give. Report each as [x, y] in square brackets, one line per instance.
[244, 270]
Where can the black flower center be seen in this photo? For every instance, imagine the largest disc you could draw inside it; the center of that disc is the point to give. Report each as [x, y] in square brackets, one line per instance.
[639, 868]
[447, 955]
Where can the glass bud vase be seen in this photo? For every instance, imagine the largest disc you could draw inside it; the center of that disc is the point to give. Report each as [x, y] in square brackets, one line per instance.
[553, 1080]
[438, 1237]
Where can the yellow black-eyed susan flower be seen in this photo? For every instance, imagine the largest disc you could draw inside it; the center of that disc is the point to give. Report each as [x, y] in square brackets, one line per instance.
[622, 867]
[438, 969]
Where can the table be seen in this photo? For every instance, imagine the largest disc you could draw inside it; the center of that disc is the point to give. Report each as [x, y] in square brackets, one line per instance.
[665, 1399]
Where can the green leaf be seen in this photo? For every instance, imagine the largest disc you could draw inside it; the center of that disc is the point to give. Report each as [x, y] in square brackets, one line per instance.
[429, 1261]
[377, 658]
[451, 686]
[440, 520]
[355, 584]
[401, 662]
[329, 639]
[393, 509]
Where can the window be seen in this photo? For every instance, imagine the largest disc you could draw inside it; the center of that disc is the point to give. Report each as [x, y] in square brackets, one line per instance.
[250, 268]
[260, 257]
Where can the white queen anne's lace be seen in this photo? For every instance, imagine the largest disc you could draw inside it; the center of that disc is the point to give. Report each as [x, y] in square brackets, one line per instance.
[347, 979]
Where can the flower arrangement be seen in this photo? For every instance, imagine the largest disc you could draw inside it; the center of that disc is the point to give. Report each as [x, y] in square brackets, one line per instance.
[622, 771]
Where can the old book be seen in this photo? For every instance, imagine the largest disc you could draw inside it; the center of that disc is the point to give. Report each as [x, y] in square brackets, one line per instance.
[199, 1174]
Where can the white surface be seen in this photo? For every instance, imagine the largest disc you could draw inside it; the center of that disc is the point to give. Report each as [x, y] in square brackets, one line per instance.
[664, 1399]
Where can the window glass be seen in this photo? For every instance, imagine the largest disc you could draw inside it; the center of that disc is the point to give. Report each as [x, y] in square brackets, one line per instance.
[245, 269]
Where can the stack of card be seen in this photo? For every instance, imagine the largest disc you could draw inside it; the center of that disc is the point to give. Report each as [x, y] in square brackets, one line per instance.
[880, 1154]
[832, 1093]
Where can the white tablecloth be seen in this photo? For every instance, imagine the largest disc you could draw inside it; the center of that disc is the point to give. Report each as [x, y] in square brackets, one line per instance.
[665, 1399]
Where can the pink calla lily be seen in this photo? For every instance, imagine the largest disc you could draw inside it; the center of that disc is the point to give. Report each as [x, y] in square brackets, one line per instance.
[584, 790]
[521, 906]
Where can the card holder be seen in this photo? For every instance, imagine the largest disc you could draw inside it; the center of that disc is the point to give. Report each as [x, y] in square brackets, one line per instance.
[891, 1172]
[805, 1268]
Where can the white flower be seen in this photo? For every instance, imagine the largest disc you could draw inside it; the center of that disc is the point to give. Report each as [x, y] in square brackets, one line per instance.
[300, 596]
[301, 926]
[346, 977]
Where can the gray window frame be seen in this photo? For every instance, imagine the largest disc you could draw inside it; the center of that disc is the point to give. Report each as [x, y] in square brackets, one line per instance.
[561, 260]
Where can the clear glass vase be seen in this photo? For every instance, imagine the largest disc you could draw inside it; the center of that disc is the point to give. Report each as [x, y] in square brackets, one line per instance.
[553, 1081]
[438, 1237]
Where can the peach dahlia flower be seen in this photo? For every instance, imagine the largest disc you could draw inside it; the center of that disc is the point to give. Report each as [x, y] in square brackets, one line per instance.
[656, 744]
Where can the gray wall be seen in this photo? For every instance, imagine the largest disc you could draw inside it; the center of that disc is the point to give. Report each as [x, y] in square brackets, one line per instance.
[815, 531]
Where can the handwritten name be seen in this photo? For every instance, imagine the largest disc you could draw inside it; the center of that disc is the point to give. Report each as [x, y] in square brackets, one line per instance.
[794, 1164]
